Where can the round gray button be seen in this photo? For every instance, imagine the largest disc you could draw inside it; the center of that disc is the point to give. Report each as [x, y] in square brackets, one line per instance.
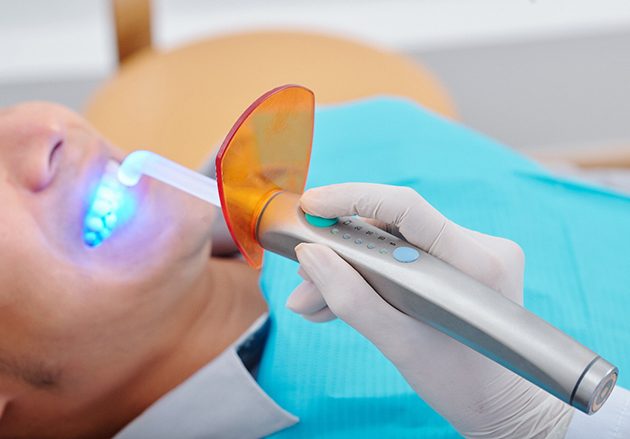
[405, 254]
[346, 236]
[358, 241]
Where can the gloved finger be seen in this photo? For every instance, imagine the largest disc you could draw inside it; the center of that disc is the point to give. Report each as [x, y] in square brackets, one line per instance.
[463, 251]
[508, 252]
[303, 273]
[416, 219]
[321, 316]
[389, 228]
[306, 299]
[513, 259]
[351, 298]
[419, 222]
[505, 248]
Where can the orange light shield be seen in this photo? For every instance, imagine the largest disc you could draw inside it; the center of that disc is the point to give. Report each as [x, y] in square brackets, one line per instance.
[267, 150]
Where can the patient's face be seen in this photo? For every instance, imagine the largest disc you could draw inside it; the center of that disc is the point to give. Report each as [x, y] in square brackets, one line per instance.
[66, 307]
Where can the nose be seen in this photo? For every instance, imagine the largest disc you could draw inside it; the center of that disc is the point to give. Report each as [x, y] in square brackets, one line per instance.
[31, 138]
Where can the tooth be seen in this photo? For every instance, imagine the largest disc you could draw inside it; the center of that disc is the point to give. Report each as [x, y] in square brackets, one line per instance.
[106, 193]
[94, 223]
[110, 220]
[101, 207]
[103, 215]
[91, 238]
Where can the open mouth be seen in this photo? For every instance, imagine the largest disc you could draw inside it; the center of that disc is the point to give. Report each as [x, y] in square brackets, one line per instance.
[111, 206]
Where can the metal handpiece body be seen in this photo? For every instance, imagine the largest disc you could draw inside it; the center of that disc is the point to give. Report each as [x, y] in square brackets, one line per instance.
[450, 301]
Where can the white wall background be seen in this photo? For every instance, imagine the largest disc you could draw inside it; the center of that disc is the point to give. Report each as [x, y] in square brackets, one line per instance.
[57, 39]
[54, 39]
[532, 73]
[398, 24]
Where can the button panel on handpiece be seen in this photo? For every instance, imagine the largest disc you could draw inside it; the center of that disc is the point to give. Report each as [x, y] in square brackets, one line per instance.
[366, 236]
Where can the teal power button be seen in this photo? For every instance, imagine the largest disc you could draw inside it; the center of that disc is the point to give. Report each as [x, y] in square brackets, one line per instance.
[318, 221]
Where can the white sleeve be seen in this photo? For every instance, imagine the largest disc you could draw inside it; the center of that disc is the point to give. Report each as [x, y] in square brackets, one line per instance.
[612, 421]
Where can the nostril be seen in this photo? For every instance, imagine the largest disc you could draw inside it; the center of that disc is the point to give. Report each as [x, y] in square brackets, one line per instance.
[54, 152]
[33, 138]
[43, 164]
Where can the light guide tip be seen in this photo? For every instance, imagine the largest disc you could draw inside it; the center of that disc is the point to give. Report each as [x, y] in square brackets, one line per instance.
[131, 169]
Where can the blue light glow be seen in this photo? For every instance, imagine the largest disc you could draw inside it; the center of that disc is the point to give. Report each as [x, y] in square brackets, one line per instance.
[111, 206]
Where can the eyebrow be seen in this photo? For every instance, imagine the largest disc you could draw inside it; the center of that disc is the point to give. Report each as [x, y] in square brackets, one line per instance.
[31, 372]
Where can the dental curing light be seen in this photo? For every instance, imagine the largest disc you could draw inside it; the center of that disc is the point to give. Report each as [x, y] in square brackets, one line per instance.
[261, 172]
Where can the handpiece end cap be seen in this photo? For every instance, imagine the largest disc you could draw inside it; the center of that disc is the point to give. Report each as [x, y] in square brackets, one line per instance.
[594, 388]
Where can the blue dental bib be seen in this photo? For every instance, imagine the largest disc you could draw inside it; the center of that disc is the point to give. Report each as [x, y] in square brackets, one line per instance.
[576, 239]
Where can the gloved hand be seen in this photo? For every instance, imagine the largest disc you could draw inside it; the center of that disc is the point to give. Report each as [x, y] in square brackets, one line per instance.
[480, 398]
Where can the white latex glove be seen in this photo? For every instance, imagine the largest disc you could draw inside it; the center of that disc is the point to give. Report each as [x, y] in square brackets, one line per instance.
[480, 398]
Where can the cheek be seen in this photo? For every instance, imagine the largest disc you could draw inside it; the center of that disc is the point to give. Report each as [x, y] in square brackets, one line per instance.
[164, 256]
[168, 231]
[172, 240]
[133, 279]
[186, 227]
[103, 314]
[37, 307]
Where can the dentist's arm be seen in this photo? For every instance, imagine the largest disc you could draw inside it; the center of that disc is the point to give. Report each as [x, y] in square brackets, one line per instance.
[477, 396]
